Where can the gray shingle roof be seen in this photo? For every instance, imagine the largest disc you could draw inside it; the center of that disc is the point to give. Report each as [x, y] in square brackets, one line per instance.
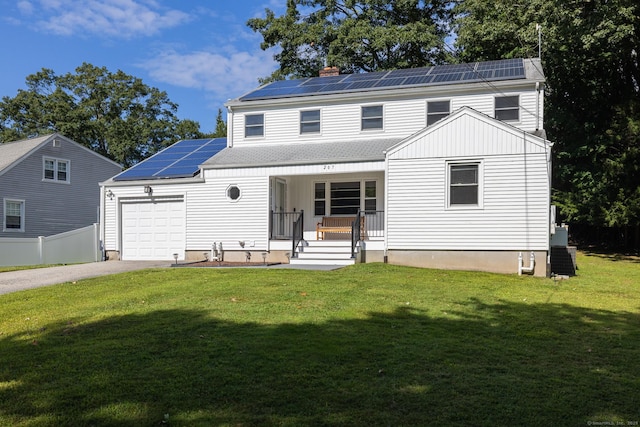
[301, 154]
[11, 152]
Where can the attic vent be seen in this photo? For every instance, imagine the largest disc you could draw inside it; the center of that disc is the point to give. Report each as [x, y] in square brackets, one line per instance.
[56, 143]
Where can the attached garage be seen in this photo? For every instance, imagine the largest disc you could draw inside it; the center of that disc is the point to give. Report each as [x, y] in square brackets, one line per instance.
[153, 229]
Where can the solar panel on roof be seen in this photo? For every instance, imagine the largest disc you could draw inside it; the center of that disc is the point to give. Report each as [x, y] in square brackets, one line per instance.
[418, 80]
[335, 87]
[364, 84]
[391, 82]
[490, 70]
[411, 72]
[180, 160]
[323, 80]
[452, 68]
[365, 76]
[450, 77]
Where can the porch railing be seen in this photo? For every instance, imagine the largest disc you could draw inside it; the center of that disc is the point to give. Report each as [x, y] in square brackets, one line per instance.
[281, 224]
[373, 224]
[366, 225]
[298, 232]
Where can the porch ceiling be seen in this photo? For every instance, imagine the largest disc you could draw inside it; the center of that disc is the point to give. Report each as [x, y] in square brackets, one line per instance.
[301, 154]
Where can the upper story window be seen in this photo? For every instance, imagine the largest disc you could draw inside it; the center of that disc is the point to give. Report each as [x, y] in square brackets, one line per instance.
[507, 108]
[253, 125]
[56, 170]
[372, 117]
[464, 185]
[310, 121]
[437, 110]
[13, 215]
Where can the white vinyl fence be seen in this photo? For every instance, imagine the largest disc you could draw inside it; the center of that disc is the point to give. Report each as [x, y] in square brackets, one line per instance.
[77, 246]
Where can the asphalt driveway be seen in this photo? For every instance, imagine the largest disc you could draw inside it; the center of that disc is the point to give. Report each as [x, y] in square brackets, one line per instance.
[13, 281]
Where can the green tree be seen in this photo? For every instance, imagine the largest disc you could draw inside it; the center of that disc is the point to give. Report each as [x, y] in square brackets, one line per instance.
[114, 114]
[221, 126]
[592, 108]
[355, 36]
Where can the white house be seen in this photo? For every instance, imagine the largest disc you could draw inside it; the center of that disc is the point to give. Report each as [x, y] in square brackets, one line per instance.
[443, 167]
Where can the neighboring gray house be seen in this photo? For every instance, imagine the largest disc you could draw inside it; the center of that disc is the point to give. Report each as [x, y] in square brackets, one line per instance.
[49, 185]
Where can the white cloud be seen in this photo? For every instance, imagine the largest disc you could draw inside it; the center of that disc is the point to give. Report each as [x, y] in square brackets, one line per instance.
[224, 75]
[112, 18]
[25, 7]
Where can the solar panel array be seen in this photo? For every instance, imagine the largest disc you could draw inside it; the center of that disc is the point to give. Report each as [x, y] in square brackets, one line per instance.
[180, 160]
[506, 69]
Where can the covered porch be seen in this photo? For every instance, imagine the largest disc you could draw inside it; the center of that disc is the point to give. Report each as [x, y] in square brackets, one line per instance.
[322, 211]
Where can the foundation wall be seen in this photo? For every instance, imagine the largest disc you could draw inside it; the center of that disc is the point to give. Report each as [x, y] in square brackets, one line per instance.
[490, 261]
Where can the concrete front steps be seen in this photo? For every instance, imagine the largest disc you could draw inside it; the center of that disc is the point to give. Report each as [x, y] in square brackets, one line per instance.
[323, 252]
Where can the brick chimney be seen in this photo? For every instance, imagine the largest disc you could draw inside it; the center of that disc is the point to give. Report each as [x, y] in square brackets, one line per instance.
[329, 72]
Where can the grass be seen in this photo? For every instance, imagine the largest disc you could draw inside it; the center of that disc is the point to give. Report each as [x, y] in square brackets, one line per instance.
[366, 345]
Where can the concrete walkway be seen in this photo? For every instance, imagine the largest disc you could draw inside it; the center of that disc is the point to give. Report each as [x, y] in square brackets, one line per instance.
[13, 281]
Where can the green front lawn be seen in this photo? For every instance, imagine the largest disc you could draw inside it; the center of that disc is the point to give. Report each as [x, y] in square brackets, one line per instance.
[366, 345]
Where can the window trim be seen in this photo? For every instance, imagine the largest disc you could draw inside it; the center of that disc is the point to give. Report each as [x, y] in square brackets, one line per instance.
[439, 114]
[498, 110]
[327, 200]
[228, 196]
[368, 119]
[322, 200]
[254, 126]
[319, 122]
[5, 201]
[480, 184]
[56, 166]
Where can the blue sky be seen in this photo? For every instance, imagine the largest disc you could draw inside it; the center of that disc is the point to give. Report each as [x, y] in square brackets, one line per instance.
[200, 52]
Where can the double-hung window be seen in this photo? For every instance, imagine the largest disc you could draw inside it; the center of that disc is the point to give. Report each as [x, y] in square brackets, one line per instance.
[464, 184]
[253, 125]
[345, 197]
[13, 215]
[372, 117]
[310, 121]
[507, 108]
[320, 199]
[56, 170]
[437, 110]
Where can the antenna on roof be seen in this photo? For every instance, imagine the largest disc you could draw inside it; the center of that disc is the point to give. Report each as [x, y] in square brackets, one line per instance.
[539, 29]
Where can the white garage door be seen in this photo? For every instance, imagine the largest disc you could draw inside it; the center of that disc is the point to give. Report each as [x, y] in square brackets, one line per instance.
[153, 230]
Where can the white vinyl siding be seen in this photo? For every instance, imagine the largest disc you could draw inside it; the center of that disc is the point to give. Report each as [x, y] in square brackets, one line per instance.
[402, 117]
[514, 214]
[514, 180]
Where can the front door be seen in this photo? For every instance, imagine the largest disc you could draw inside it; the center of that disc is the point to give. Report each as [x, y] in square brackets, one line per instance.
[279, 207]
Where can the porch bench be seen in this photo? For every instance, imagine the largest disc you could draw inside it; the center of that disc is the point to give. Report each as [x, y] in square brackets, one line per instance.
[336, 224]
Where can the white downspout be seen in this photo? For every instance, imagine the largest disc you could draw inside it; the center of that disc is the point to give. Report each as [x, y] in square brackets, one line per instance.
[538, 106]
[386, 207]
[102, 221]
[229, 126]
